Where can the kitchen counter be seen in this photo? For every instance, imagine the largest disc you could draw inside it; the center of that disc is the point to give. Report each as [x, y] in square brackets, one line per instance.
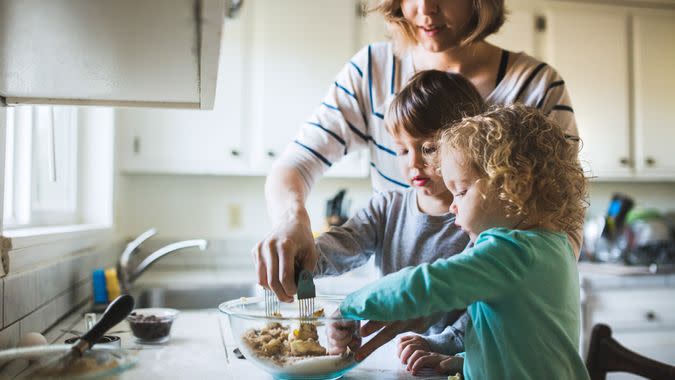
[201, 348]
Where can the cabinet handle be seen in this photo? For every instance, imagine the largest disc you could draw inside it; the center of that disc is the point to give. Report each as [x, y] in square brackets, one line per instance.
[651, 316]
[271, 154]
[136, 145]
[650, 161]
[233, 8]
[624, 161]
[235, 153]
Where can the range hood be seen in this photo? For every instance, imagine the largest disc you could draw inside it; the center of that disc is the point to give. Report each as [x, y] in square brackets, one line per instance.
[148, 53]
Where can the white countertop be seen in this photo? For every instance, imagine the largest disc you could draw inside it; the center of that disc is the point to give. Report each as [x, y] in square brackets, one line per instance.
[196, 351]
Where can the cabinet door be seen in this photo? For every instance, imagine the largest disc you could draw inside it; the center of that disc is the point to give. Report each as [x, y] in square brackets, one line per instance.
[654, 60]
[298, 48]
[193, 141]
[589, 47]
[518, 32]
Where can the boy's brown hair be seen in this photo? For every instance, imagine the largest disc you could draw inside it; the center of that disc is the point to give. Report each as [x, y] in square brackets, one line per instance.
[527, 159]
[430, 101]
[488, 16]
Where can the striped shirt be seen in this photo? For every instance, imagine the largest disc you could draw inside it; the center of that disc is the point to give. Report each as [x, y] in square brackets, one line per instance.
[350, 117]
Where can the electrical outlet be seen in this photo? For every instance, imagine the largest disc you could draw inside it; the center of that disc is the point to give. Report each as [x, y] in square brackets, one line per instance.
[234, 216]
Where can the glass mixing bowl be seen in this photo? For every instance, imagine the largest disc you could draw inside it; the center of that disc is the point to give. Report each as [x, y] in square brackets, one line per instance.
[277, 344]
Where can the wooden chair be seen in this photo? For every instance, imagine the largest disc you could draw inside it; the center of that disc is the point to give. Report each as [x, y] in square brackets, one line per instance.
[605, 355]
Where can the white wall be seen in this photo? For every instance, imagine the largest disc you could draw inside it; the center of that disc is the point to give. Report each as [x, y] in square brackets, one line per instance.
[198, 206]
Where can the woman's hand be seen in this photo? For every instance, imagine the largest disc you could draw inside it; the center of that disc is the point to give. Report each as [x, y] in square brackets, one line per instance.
[342, 334]
[275, 257]
[387, 332]
[410, 344]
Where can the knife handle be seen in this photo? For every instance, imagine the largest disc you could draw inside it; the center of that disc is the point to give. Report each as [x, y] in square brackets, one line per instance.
[118, 309]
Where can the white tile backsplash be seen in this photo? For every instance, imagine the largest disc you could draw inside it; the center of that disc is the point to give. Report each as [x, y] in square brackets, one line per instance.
[47, 315]
[10, 336]
[35, 299]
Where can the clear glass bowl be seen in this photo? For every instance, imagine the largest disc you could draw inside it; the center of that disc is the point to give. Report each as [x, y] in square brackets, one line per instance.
[249, 324]
[152, 325]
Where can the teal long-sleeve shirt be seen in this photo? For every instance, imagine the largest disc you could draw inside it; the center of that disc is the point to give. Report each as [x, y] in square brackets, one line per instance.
[521, 290]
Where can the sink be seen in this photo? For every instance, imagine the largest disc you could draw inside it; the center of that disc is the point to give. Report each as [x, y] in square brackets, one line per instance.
[192, 298]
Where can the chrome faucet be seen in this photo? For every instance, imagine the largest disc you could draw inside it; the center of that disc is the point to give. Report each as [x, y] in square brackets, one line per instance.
[127, 276]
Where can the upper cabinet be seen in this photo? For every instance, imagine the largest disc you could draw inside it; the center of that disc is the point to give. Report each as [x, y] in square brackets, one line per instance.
[589, 48]
[518, 32]
[619, 65]
[278, 59]
[161, 53]
[654, 77]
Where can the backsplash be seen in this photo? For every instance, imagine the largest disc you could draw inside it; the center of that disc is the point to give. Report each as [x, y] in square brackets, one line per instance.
[35, 299]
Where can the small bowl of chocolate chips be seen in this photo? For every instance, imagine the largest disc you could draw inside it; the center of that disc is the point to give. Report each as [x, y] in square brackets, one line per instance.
[152, 325]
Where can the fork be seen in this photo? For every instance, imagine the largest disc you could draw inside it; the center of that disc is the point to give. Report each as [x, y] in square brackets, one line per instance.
[272, 308]
[306, 293]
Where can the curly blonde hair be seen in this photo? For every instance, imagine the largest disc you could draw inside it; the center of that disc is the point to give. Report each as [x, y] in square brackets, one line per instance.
[488, 16]
[527, 159]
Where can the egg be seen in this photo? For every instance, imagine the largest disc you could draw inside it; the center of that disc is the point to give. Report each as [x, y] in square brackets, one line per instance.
[32, 339]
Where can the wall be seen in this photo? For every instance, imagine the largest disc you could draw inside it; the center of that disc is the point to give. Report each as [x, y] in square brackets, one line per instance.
[197, 206]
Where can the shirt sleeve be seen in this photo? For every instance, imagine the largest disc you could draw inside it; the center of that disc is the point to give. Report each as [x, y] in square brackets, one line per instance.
[451, 340]
[337, 126]
[493, 266]
[350, 245]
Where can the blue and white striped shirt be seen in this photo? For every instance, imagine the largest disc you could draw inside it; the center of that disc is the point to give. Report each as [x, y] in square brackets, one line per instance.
[350, 117]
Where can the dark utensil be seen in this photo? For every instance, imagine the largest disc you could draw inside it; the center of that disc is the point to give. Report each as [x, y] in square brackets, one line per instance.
[238, 353]
[113, 314]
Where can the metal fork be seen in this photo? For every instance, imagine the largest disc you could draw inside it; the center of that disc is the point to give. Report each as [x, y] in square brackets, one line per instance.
[306, 293]
[272, 308]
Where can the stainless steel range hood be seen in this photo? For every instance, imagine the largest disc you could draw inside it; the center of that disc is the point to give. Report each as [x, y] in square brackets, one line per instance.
[155, 53]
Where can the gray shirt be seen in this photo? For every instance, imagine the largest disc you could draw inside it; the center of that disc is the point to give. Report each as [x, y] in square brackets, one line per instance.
[394, 230]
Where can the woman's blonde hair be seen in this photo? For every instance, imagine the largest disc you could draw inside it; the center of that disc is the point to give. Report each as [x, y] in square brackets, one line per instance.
[488, 16]
[431, 100]
[527, 159]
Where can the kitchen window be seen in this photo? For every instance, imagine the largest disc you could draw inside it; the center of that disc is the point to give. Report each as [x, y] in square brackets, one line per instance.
[41, 156]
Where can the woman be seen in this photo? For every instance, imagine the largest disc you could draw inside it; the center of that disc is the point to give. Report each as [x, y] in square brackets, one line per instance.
[435, 34]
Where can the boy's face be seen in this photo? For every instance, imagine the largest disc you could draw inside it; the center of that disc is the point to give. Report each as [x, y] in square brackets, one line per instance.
[474, 213]
[409, 152]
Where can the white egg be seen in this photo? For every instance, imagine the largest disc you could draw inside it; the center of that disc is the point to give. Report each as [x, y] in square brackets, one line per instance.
[32, 339]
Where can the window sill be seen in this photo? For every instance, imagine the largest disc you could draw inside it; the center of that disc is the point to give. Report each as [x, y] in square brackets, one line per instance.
[25, 247]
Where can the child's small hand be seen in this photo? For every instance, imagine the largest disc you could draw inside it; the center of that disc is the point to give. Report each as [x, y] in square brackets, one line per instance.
[442, 364]
[342, 334]
[409, 344]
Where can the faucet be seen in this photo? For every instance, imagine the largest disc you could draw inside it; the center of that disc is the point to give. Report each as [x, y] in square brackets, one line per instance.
[127, 276]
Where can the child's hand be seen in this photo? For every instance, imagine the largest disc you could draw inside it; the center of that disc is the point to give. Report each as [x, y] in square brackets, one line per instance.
[442, 364]
[410, 344]
[342, 334]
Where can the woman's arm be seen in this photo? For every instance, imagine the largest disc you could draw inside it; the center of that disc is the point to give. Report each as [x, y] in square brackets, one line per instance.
[323, 140]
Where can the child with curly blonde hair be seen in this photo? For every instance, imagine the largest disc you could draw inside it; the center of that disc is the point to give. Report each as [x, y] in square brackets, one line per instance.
[518, 191]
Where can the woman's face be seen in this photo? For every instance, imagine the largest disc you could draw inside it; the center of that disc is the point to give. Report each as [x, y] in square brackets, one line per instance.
[438, 24]
[423, 177]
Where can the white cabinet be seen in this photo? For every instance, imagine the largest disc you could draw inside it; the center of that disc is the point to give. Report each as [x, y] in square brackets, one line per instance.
[589, 48]
[518, 32]
[110, 52]
[296, 52]
[640, 312]
[282, 58]
[619, 66]
[654, 62]
[193, 141]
